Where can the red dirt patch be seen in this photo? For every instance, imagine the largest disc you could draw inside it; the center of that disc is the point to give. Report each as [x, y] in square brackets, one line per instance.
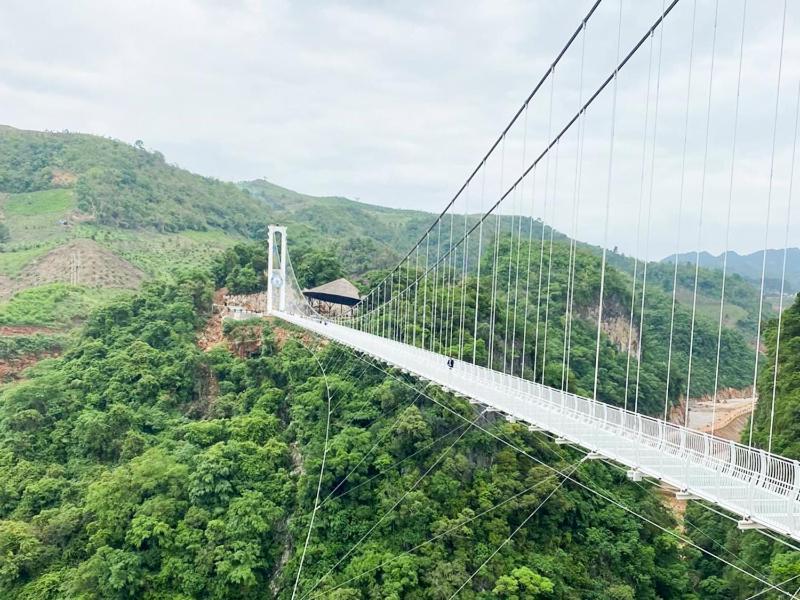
[281, 336]
[11, 369]
[15, 330]
[212, 334]
[62, 178]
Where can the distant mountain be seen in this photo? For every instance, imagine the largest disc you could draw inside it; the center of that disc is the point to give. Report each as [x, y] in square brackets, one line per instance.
[749, 266]
[364, 235]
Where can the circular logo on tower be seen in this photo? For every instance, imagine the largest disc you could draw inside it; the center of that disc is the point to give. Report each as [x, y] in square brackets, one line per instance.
[276, 280]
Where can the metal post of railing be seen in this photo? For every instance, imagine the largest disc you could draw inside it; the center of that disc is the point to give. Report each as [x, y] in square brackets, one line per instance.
[794, 496]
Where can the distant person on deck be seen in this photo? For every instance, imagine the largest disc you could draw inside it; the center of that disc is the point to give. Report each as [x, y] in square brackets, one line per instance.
[450, 362]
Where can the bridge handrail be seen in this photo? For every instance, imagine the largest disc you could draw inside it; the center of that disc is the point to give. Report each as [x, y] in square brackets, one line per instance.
[753, 465]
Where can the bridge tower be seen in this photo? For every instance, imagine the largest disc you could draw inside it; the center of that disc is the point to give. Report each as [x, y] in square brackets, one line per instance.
[276, 273]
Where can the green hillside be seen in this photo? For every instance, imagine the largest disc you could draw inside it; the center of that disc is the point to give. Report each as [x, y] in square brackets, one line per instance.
[120, 185]
[136, 465]
[102, 216]
[59, 188]
[774, 556]
[96, 216]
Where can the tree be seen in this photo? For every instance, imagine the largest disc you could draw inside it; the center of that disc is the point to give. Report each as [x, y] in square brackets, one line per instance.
[522, 583]
[318, 267]
[21, 550]
[243, 280]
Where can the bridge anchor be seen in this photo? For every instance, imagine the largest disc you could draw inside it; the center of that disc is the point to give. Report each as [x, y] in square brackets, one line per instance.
[746, 524]
[594, 456]
[686, 495]
[634, 475]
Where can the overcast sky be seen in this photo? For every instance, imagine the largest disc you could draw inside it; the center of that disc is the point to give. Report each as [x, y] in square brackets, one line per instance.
[394, 103]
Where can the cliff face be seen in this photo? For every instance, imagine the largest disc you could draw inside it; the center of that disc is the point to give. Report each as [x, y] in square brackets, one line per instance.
[616, 325]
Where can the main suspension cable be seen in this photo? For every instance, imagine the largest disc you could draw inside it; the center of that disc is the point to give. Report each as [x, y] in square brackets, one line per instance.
[545, 151]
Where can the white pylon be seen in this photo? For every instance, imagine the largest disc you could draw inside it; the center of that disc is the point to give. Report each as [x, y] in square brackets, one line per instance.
[276, 275]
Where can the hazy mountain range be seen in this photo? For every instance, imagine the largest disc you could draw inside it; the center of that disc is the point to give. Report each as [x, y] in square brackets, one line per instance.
[749, 266]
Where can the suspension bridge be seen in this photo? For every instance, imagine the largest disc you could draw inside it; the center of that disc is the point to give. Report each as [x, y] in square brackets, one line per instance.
[477, 305]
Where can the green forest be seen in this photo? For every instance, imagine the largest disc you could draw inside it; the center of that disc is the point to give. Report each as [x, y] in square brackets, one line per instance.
[775, 559]
[122, 185]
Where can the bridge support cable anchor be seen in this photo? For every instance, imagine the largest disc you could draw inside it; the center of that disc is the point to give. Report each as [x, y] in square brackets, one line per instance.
[686, 495]
[634, 475]
[748, 524]
[594, 456]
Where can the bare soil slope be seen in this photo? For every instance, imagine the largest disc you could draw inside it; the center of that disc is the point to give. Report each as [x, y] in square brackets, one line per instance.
[80, 262]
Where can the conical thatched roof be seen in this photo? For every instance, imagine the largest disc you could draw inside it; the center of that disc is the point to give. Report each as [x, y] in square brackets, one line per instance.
[339, 291]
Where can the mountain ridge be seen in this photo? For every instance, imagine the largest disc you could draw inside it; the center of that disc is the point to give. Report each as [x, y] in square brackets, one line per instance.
[749, 265]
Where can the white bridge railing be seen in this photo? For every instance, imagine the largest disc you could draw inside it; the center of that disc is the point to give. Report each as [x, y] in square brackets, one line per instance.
[763, 488]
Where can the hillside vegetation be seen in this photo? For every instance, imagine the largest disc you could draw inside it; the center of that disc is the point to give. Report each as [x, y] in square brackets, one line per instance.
[85, 218]
[120, 185]
[59, 187]
[365, 236]
[775, 557]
